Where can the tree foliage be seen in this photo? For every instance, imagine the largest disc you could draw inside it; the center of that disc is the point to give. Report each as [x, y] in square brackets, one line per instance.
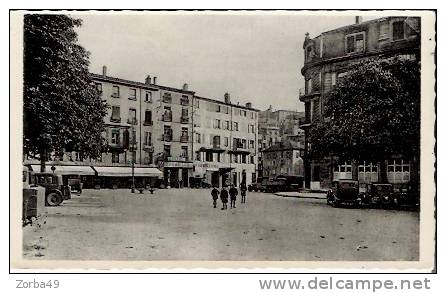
[62, 107]
[373, 112]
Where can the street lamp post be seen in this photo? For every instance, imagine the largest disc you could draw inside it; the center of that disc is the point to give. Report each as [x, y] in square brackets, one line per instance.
[133, 160]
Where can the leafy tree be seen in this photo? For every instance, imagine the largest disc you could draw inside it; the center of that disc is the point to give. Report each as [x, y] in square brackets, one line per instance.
[372, 113]
[63, 110]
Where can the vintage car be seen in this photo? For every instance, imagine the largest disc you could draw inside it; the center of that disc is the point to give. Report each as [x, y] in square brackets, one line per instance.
[55, 190]
[406, 195]
[291, 183]
[379, 195]
[257, 186]
[75, 183]
[344, 192]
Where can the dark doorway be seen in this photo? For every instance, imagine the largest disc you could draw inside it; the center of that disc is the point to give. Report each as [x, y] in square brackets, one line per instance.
[185, 179]
[215, 179]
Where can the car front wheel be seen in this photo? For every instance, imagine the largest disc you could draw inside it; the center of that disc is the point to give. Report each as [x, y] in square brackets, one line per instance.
[54, 199]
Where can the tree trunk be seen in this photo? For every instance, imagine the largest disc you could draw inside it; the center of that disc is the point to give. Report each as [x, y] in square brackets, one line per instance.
[382, 178]
[42, 160]
[354, 164]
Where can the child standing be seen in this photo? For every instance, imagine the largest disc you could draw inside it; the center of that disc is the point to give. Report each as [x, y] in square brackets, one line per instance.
[224, 198]
[215, 194]
[233, 195]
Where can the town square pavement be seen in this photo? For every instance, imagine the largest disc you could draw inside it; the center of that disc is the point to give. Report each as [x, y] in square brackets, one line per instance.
[181, 224]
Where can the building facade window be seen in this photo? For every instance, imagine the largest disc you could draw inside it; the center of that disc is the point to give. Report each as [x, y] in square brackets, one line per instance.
[147, 138]
[98, 87]
[216, 141]
[226, 141]
[308, 54]
[167, 150]
[355, 43]
[148, 117]
[328, 81]
[197, 137]
[383, 30]
[115, 136]
[148, 97]
[184, 100]
[308, 86]
[226, 125]
[115, 157]
[209, 156]
[132, 116]
[132, 94]
[217, 123]
[184, 152]
[115, 91]
[235, 126]
[116, 114]
[184, 132]
[398, 30]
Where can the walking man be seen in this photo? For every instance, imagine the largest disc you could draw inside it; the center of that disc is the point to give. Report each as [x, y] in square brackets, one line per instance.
[215, 194]
[233, 195]
[243, 192]
[224, 198]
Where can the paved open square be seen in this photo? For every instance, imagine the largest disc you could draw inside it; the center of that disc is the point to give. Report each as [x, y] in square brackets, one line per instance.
[181, 224]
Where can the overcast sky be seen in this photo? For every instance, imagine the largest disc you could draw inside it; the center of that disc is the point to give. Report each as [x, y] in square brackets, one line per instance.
[256, 58]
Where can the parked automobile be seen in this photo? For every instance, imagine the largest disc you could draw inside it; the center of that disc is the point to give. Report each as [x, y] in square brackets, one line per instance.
[379, 195]
[291, 182]
[406, 195]
[198, 182]
[257, 186]
[55, 190]
[344, 192]
[75, 183]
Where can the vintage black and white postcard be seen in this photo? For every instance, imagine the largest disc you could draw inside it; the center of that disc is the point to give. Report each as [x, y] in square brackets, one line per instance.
[210, 139]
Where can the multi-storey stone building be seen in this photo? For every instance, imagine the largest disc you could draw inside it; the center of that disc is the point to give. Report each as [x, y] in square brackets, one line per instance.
[283, 158]
[275, 127]
[225, 141]
[149, 124]
[182, 135]
[328, 57]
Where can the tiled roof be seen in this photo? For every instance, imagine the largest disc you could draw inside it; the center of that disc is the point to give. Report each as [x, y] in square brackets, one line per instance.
[137, 84]
[282, 146]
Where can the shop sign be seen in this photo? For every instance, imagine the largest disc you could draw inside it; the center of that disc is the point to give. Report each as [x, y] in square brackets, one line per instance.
[178, 165]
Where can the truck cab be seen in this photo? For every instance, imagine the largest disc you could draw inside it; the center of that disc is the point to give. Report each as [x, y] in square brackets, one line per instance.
[55, 190]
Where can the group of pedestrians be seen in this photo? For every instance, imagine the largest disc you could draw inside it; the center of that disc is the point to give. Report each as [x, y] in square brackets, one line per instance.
[230, 194]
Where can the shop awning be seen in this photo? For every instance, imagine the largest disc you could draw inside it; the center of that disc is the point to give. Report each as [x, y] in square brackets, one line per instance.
[127, 172]
[65, 169]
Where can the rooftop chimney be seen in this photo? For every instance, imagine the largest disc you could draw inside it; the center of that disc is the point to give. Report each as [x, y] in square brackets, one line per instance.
[358, 19]
[227, 98]
[248, 105]
[154, 80]
[148, 80]
[185, 87]
[104, 71]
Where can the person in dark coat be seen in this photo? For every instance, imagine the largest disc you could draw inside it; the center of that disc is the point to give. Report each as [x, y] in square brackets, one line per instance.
[224, 198]
[233, 195]
[215, 194]
[243, 192]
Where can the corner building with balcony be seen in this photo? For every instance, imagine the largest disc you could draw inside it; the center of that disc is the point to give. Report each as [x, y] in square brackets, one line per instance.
[149, 125]
[327, 58]
[224, 141]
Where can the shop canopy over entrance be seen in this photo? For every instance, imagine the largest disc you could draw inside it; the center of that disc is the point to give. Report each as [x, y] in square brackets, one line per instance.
[66, 169]
[127, 172]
